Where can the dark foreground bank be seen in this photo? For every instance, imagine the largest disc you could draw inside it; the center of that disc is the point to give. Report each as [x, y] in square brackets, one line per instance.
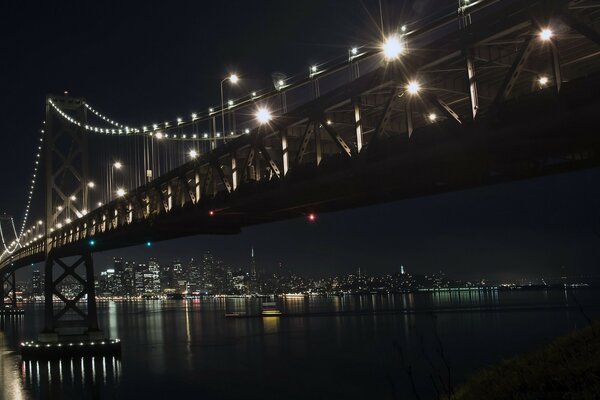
[567, 368]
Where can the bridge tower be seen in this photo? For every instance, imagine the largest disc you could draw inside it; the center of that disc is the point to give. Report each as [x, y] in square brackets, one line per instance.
[66, 169]
[8, 288]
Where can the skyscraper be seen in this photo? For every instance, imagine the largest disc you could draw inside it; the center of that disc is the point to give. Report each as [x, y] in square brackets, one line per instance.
[36, 282]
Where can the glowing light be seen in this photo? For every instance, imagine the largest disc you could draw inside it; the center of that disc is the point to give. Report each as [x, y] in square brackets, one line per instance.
[148, 244]
[117, 165]
[91, 184]
[393, 47]
[233, 78]
[263, 115]
[546, 34]
[312, 217]
[211, 213]
[92, 242]
[543, 80]
[120, 192]
[159, 135]
[73, 198]
[193, 154]
[59, 208]
[230, 103]
[354, 51]
[413, 87]
[432, 117]
[68, 220]
[40, 222]
[99, 204]
[194, 115]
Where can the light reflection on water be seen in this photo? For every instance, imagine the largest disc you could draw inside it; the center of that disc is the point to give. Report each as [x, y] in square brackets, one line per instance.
[69, 378]
[178, 348]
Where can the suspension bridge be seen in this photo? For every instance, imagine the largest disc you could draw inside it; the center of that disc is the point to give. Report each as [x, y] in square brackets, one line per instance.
[492, 92]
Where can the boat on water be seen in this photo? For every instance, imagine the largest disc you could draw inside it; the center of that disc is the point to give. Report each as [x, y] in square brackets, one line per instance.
[269, 308]
[235, 314]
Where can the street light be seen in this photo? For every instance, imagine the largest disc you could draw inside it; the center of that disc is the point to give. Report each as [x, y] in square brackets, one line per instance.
[193, 154]
[413, 87]
[116, 165]
[263, 115]
[546, 34]
[233, 78]
[120, 192]
[91, 185]
[393, 47]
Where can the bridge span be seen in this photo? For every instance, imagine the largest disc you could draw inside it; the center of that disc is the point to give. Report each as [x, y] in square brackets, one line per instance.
[500, 91]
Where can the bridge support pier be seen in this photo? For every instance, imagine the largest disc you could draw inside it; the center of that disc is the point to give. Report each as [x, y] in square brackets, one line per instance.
[8, 291]
[71, 328]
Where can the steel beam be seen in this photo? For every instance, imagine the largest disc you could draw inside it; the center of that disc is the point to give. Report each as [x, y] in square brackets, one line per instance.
[358, 124]
[580, 27]
[556, 68]
[304, 144]
[318, 149]
[515, 70]
[409, 119]
[284, 151]
[444, 108]
[224, 179]
[272, 165]
[473, 95]
[336, 138]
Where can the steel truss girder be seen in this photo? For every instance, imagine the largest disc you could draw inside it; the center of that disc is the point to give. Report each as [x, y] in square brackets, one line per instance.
[88, 316]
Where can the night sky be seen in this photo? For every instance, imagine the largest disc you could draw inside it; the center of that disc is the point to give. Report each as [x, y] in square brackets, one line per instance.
[155, 60]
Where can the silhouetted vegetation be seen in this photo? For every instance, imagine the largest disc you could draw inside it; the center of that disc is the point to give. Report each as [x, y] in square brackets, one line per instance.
[567, 368]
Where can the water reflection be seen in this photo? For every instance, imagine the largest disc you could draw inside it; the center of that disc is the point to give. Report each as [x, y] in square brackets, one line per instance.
[97, 377]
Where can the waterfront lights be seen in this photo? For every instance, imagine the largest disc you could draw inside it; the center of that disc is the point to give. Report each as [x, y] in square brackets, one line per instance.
[193, 154]
[117, 165]
[263, 115]
[393, 47]
[543, 80]
[120, 192]
[432, 117]
[546, 34]
[413, 87]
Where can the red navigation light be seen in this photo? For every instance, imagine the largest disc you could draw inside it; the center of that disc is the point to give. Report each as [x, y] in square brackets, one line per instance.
[211, 213]
[312, 217]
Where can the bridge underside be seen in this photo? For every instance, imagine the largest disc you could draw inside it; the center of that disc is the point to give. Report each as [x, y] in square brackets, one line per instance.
[517, 143]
